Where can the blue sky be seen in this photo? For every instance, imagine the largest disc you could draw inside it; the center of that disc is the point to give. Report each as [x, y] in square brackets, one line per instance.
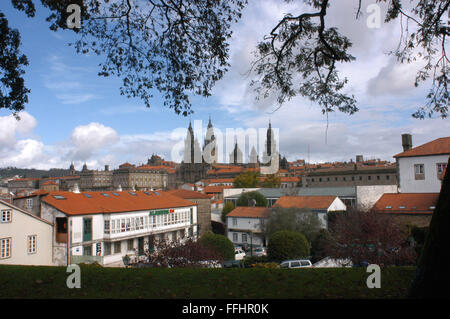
[74, 115]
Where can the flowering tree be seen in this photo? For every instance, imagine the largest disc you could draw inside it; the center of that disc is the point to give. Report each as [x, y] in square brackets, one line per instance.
[369, 237]
[164, 253]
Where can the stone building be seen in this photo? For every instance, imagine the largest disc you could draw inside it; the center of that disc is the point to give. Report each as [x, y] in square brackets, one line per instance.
[194, 167]
[145, 177]
[95, 180]
[352, 175]
[203, 202]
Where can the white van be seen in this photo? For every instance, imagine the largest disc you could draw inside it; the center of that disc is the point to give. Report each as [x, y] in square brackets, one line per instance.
[299, 263]
[239, 254]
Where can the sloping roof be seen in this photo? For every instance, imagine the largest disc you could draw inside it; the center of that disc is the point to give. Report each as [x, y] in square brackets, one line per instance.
[440, 146]
[250, 212]
[312, 202]
[24, 212]
[406, 203]
[215, 189]
[40, 192]
[86, 203]
[187, 194]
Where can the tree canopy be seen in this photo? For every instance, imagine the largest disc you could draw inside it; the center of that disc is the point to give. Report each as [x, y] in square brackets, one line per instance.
[181, 48]
[246, 198]
[247, 179]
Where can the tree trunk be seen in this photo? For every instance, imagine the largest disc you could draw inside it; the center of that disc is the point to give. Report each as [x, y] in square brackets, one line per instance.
[432, 278]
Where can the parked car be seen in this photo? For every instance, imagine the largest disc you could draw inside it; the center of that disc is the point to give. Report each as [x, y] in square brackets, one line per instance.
[257, 252]
[298, 263]
[233, 264]
[239, 254]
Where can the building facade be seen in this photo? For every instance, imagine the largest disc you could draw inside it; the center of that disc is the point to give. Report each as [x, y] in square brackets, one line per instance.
[103, 227]
[245, 226]
[421, 168]
[25, 239]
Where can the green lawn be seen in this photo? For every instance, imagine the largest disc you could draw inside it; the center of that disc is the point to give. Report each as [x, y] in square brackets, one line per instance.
[98, 282]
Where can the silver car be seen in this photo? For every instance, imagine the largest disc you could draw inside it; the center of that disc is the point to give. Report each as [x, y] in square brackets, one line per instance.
[298, 263]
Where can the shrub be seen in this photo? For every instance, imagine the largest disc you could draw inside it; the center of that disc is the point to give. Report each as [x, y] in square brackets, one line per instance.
[220, 243]
[246, 197]
[248, 261]
[228, 207]
[319, 245]
[287, 244]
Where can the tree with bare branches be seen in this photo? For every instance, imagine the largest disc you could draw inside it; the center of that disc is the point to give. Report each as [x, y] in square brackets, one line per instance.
[181, 48]
[369, 237]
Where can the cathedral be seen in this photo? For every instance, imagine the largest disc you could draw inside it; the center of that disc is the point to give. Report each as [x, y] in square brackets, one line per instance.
[195, 166]
[198, 161]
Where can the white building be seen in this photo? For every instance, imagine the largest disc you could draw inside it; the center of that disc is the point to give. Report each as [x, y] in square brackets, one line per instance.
[420, 168]
[321, 205]
[245, 225]
[106, 226]
[25, 239]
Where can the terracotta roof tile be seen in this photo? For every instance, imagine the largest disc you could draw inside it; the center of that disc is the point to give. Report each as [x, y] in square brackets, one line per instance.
[406, 203]
[215, 189]
[311, 202]
[187, 194]
[439, 146]
[250, 212]
[96, 203]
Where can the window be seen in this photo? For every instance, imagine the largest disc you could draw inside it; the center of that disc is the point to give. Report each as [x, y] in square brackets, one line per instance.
[107, 249]
[244, 238]
[387, 177]
[378, 177]
[234, 221]
[5, 248]
[130, 244]
[440, 169]
[295, 264]
[32, 244]
[29, 203]
[87, 250]
[344, 178]
[419, 172]
[107, 227]
[6, 216]
[117, 247]
[360, 178]
[369, 178]
[235, 237]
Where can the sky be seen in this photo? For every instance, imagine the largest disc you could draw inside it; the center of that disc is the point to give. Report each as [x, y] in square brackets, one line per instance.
[73, 115]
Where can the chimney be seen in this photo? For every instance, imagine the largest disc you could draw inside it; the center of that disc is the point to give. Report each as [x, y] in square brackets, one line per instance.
[406, 142]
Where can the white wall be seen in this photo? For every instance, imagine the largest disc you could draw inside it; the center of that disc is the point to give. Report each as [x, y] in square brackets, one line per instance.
[21, 226]
[367, 196]
[431, 183]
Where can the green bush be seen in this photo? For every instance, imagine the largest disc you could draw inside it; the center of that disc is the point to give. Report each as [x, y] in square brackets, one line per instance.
[248, 261]
[246, 197]
[220, 243]
[320, 244]
[227, 208]
[287, 244]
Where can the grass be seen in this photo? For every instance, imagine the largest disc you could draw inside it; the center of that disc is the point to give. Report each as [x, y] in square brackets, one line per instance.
[97, 282]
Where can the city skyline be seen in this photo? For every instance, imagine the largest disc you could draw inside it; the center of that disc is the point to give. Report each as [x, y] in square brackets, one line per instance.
[69, 103]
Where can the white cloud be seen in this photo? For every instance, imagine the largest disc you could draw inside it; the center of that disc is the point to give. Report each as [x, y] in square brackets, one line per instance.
[87, 140]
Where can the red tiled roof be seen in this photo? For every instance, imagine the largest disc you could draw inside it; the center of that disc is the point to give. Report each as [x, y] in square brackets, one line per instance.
[311, 202]
[187, 194]
[215, 189]
[250, 212]
[439, 146]
[80, 204]
[406, 203]
[39, 192]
